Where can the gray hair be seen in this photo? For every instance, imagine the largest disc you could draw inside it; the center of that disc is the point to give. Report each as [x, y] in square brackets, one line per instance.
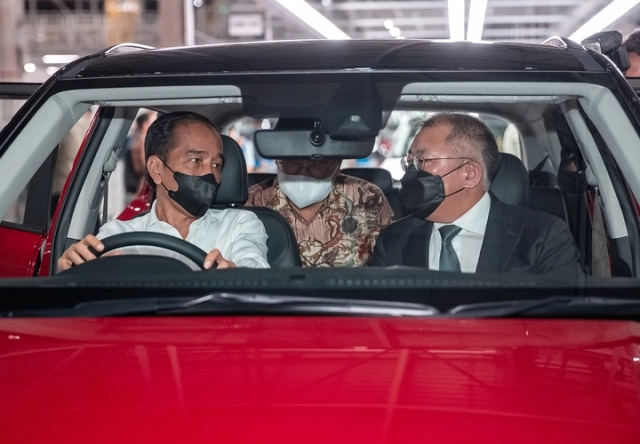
[470, 137]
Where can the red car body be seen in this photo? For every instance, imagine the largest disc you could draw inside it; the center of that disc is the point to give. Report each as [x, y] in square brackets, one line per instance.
[306, 379]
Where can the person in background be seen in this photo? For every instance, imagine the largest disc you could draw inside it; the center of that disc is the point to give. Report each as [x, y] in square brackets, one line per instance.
[238, 133]
[336, 218]
[133, 153]
[184, 160]
[632, 43]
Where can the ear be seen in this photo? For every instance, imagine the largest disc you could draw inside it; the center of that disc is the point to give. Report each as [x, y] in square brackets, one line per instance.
[154, 167]
[472, 174]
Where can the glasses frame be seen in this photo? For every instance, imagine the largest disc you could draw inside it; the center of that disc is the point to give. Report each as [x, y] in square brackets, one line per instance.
[419, 162]
[315, 168]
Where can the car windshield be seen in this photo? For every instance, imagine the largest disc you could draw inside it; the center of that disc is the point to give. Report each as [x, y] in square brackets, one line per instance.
[532, 160]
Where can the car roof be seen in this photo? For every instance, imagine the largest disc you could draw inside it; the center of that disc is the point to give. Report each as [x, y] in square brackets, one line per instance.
[331, 55]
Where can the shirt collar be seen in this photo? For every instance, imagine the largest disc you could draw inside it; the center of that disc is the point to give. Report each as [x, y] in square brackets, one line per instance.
[474, 220]
[153, 217]
[153, 220]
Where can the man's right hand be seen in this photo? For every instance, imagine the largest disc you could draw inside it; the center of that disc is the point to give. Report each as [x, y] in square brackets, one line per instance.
[79, 252]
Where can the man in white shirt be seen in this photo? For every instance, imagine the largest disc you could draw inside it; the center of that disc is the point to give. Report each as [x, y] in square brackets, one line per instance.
[462, 226]
[184, 159]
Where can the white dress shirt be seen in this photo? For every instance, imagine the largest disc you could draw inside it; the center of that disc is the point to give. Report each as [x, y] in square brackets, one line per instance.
[238, 234]
[468, 243]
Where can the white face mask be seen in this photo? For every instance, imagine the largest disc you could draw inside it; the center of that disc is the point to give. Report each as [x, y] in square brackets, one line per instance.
[304, 190]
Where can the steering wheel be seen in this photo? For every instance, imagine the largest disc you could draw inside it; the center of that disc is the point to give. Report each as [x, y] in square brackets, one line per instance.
[143, 238]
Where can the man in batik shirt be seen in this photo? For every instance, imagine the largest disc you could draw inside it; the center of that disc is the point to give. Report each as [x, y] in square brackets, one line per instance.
[336, 218]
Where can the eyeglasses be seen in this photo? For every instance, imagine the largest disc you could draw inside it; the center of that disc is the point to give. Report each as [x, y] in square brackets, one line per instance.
[318, 169]
[419, 162]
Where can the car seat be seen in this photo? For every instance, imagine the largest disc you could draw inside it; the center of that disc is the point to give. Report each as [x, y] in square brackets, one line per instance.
[511, 182]
[233, 193]
[255, 178]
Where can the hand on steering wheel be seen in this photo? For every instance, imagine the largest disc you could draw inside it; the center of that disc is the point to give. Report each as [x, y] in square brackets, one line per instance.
[140, 238]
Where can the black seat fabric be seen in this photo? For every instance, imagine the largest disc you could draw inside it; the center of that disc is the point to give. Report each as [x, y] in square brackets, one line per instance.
[233, 192]
[549, 200]
[234, 184]
[377, 176]
[511, 184]
[255, 178]
[383, 180]
[282, 244]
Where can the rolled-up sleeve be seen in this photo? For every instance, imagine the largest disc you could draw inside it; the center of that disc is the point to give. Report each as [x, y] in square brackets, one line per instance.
[247, 245]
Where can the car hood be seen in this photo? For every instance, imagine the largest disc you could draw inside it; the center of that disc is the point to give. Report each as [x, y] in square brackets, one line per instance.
[318, 379]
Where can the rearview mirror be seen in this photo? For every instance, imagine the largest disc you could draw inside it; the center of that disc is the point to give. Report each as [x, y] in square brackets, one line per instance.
[309, 144]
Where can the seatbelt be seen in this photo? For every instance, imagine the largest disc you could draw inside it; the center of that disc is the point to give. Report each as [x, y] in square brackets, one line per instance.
[108, 168]
[600, 265]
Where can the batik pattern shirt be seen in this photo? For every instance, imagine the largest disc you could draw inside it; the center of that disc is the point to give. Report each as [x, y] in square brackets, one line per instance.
[344, 230]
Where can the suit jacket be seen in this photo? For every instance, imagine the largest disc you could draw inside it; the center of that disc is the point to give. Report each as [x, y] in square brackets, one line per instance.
[517, 239]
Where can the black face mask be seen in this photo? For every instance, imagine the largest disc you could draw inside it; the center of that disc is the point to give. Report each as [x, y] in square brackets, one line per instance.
[422, 192]
[195, 193]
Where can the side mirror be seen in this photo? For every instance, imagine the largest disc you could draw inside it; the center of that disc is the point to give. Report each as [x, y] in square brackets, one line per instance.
[610, 44]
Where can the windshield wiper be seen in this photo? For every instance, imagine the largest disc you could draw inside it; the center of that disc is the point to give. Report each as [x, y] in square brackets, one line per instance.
[559, 306]
[231, 303]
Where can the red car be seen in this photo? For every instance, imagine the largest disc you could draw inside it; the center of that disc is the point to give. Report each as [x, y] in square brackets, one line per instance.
[141, 348]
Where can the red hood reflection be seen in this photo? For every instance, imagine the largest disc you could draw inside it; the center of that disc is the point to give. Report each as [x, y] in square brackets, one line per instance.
[309, 379]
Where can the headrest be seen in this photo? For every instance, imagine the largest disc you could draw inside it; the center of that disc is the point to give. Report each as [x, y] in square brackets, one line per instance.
[511, 184]
[233, 181]
[255, 178]
[377, 176]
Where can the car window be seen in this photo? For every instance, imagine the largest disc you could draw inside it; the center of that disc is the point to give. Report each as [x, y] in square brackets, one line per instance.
[37, 202]
[8, 107]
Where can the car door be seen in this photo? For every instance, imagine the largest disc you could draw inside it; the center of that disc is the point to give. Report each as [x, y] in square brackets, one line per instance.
[23, 228]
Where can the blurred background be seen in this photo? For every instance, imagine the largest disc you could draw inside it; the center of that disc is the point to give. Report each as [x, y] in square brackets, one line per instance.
[39, 36]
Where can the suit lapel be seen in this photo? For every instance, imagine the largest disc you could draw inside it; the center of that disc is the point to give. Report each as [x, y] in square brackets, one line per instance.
[500, 239]
[416, 253]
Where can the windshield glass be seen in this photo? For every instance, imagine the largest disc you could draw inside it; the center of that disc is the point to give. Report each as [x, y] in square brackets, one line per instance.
[355, 185]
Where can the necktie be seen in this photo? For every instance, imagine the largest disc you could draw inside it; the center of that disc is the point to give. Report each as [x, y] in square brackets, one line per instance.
[448, 257]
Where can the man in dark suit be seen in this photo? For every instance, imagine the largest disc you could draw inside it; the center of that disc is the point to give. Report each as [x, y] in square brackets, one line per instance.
[457, 224]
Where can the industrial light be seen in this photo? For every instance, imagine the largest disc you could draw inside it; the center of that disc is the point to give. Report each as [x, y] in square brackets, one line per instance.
[604, 18]
[29, 67]
[395, 32]
[59, 59]
[477, 12]
[456, 19]
[388, 24]
[314, 19]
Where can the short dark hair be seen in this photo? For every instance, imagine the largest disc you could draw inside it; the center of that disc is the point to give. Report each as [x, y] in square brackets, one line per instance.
[633, 42]
[160, 139]
[472, 133]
